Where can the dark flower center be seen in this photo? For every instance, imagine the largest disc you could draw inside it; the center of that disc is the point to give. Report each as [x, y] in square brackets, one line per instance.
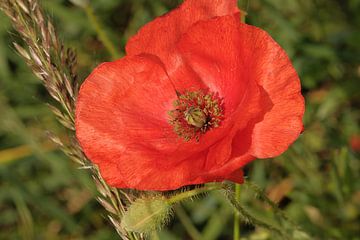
[196, 112]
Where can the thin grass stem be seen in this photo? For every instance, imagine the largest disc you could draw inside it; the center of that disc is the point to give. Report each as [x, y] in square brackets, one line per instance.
[94, 21]
[187, 223]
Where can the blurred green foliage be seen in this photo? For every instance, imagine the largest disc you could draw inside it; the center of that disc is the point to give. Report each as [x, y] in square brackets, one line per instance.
[45, 196]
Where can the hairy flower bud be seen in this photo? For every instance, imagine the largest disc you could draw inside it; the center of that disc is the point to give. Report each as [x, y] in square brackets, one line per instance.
[146, 214]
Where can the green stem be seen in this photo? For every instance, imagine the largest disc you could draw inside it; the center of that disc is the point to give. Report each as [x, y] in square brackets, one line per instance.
[279, 213]
[237, 214]
[249, 218]
[187, 223]
[188, 194]
[100, 32]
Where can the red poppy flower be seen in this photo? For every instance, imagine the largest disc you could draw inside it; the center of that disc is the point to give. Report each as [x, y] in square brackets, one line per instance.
[198, 95]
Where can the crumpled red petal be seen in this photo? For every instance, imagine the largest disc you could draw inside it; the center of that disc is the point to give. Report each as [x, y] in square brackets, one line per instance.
[271, 68]
[160, 36]
[111, 113]
[213, 50]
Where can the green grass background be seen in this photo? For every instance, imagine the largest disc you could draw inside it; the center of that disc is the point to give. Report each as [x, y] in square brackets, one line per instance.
[43, 195]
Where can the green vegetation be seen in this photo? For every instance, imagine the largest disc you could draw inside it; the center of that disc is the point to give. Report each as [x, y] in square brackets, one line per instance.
[43, 195]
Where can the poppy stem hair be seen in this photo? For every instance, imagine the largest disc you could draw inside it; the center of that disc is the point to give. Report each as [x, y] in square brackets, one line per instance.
[195, 192]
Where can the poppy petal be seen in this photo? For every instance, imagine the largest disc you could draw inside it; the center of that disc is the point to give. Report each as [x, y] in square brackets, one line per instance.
[198, 168]
[272, 69]
[219, 67]
[159, 36]
[111, 113]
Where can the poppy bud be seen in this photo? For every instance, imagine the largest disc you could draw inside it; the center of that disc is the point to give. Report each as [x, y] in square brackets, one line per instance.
[146, 214]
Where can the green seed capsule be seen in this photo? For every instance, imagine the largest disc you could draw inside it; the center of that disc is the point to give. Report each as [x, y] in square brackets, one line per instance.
[195, 117]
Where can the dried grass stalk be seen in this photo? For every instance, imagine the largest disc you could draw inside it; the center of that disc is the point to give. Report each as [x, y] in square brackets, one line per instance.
[55, 66]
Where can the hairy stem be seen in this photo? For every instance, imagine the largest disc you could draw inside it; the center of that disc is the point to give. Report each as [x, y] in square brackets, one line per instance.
[237, 214]
[247, 217]
[192, 193]
[283, 218]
